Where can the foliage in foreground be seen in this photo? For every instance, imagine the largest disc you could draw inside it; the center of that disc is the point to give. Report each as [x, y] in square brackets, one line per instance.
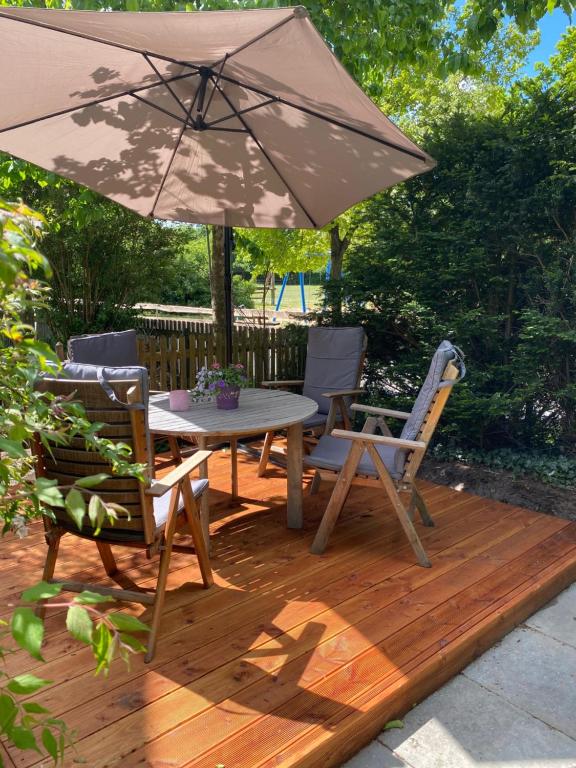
[25, 413]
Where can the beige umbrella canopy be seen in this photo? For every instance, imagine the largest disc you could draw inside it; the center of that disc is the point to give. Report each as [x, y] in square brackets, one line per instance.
[237, 118]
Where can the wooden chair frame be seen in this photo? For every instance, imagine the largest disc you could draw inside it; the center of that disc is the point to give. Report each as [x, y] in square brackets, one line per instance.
[338, 412]
[367, 440]
[155, 540]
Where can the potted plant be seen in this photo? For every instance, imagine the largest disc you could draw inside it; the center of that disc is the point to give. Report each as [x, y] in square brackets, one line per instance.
[223, 382]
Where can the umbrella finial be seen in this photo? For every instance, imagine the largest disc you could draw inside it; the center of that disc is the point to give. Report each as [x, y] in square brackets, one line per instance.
[300, 12]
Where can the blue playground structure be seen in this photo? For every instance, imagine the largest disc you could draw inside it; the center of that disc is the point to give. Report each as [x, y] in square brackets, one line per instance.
[301, 283]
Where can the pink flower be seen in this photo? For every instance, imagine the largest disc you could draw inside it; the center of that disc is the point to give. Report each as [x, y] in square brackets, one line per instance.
[216, 365]
[239, 366]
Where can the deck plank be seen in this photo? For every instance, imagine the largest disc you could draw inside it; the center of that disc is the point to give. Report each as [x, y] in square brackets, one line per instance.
[294, 659]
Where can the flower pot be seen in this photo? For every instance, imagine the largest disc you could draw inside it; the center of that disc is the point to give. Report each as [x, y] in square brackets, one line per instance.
[227, 398]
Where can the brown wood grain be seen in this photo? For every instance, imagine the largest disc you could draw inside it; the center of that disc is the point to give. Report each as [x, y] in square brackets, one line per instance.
[294, 659]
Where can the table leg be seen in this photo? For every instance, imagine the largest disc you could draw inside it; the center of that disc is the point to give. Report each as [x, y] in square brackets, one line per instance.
[175, 448]
[294, 495]
[204, 500]
[234, 465]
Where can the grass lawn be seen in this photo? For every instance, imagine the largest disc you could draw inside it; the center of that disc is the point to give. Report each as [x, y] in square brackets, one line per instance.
[291, 298]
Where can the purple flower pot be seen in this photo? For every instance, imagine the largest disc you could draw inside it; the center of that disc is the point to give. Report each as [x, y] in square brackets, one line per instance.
[227, 398]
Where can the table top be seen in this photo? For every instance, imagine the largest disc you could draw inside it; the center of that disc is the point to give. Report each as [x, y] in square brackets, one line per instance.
[260, 410]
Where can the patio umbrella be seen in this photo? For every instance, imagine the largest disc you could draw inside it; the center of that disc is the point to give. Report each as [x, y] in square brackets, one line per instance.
[236, 118]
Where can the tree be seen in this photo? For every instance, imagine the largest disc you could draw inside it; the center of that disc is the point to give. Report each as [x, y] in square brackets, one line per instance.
[266, 251]
[481, 250]
[103, 257]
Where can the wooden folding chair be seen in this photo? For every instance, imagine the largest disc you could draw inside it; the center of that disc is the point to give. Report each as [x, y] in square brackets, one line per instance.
[334, 363]
[382, 460]
[157, 507]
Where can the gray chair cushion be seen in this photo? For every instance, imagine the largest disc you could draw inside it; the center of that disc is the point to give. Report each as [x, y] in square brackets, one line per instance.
[109, 349]
[317, 420]
[332, 360]
[88, 372]
[332, 452]
[162, 503]
[445, 353]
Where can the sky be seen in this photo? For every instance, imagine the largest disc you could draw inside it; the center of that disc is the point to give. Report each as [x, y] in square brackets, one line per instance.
[552, 25]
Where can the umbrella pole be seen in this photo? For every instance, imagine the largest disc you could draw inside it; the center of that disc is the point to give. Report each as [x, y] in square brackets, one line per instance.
[228, 240]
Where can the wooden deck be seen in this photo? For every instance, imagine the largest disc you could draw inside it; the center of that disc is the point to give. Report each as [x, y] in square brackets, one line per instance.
[294, 659]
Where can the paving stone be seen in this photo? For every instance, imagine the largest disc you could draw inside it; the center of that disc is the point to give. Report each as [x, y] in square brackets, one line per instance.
[463, 725]
[376, 755]
[558, 618]
[534, 672]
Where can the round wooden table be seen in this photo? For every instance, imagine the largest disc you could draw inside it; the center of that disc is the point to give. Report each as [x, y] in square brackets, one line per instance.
[260, 411]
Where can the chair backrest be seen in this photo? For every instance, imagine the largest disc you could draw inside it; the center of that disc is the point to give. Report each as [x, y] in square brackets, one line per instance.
[446, 369]
[110, 349]
[124, 421]
[334, 361]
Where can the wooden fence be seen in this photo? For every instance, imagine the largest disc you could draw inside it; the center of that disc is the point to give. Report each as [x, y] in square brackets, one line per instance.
[174, 358]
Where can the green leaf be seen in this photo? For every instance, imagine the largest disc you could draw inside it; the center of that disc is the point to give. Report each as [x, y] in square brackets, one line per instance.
[101, 646]
[92, 480]
[79, 624]
[132, 642]
[28, 631]
[49, 743]
[23, 738]
[126, 623]
[41, 591]
[76, 506]
[14, 449]
[34, 709]
[8, 712]
[393, 724]
[48, 492]
[26, 684]
[92, 598]
[96, 513]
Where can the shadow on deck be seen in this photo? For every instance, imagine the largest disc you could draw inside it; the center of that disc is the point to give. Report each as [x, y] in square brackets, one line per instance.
[293, 659]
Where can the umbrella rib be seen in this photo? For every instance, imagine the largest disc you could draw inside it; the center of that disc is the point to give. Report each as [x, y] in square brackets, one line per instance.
[181, 120]
[93, 103]
[173, 155]
[265, 153]
[224, 60]
[326, 118]
[240, 112]
[93, 38]
[253, 40]
[163, 79]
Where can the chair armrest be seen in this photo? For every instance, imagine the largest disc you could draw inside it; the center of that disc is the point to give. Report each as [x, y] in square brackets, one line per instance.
[366, 437]
[160, 487]
[286, 383]
[343, 393]
[380, 411]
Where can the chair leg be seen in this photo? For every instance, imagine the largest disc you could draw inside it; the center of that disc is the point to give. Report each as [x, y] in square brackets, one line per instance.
[337, 499]
[410, 510]
[108, 561]
[53, 537]
[166, 552]
[399, 507]
[200, 545]
[265, 455]
[315, 484]
[422, 508]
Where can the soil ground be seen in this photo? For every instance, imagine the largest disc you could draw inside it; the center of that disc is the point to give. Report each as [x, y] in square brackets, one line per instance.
[519, 490]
